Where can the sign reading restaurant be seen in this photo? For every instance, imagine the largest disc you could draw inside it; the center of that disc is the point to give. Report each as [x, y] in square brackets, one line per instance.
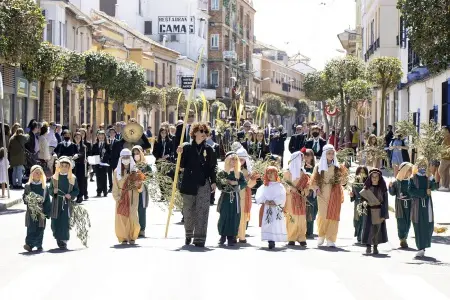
[175, 25]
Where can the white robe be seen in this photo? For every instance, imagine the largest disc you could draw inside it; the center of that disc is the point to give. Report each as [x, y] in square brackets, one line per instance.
[273, 226]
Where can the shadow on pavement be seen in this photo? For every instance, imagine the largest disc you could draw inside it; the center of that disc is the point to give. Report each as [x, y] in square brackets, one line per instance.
[276, 249]
[32, 253]
[426, 260]
[191, 248]
[444, 224]
[58, 251]
[332, 249]
[12, 211]
[441, 240]
[406, 249]
[125, 246]
[380, 255]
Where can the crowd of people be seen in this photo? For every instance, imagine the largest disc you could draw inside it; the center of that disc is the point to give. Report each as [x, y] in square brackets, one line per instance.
[310, 188]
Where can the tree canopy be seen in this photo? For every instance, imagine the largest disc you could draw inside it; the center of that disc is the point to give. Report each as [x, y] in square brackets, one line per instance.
[172, 94]
[315, 87]
[21, 28]
[128, 84]
[46, 65]
[74, 65]
[428, 28]
[101, 69]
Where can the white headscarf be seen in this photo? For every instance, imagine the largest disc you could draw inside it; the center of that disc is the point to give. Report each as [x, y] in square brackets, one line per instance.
[236, 146]
[242, 153]
[323, 164]
[125, 152]
[296, 165]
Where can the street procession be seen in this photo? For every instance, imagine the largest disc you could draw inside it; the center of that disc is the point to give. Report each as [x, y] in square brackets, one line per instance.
[153, 150]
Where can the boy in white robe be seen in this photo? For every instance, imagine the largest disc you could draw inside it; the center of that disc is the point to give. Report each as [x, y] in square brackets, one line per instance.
[273, 195]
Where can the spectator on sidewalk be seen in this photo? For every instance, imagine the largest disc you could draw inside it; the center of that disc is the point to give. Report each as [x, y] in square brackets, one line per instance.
[444, 168]
[17, 156]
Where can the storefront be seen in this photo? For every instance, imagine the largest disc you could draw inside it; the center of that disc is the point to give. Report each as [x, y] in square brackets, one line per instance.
[26, 101]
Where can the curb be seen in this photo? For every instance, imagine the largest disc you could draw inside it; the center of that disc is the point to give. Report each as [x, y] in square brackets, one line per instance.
[5, 206]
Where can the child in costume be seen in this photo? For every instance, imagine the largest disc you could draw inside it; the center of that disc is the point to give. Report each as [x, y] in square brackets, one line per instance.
[374, 227]
[229, 206]
[422, 215]
[245, 193]
[400, 189]
[35, 229]
[296, 200]
[64, 188]
[273, 196]
[144, 167]
[127, 186]
[355, 197]
[311, 203]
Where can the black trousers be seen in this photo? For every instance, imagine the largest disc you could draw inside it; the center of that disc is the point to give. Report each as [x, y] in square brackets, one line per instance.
[82, 181]
[102, 180]
[110, 177]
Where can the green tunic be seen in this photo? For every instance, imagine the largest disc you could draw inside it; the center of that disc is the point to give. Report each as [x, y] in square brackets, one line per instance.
[400, 189]
[311, 209]
[61, 207]
[143, 203]
[229, 205]
[422, 215]
[35, 229]
[357, 219]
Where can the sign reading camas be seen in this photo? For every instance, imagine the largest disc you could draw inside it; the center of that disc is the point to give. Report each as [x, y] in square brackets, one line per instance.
[176, 25]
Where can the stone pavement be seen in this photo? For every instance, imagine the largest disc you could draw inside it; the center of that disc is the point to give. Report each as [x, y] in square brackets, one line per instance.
[14, 198]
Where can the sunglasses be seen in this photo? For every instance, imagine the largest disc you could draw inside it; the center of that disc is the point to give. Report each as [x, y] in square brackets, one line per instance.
[204, 131]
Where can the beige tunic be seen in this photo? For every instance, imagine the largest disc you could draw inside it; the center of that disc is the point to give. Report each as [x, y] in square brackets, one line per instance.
[127, 228]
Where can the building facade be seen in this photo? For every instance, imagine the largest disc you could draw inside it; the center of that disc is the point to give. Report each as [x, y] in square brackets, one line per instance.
[230, 48]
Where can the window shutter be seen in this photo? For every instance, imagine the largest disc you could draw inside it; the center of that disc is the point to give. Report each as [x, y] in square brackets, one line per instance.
[148, 28]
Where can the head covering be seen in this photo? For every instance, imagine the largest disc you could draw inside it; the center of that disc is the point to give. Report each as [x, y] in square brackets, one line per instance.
[323, 163]
[67, 160]
[381, 182]
[229, 153]
[43, 178]
[235, 146]
[242, 153]
[125, 152]
[421, 162]
[296, 165]
[403, 170]
[141, 153]
[247, 123]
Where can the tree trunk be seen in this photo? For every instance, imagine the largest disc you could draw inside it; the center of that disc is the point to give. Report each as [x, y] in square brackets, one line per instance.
[380, 127]
[325, 118]
[343, 111]
[94, 113]
[106, 108]
[41, 100]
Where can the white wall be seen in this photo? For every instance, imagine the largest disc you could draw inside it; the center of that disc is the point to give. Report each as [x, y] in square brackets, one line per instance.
[86, 5]
[423, 95]
[55, 12]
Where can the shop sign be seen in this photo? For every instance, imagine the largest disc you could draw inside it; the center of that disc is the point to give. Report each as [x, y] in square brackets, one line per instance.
[176, 25]
[34, 90]
[22, 87]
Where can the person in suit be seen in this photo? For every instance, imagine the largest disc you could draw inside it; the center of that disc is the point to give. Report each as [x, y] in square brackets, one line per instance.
[80, 165]
[199, 181]
[66, 147]
[187, 137]
[102, 149]
[298, 140]
[163, 148]
[277, 140]
[316, 143]
[112, 134]
[244, 136]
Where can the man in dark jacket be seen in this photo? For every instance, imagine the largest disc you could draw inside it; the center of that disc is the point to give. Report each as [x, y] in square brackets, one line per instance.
[187, 137]
[243, 136]
[297, 141]
[102, 149]
[316, 143]
[277, 140]
[199, 166]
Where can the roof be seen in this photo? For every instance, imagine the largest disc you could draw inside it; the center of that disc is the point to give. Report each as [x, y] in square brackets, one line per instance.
[131, 30]
[78, 12]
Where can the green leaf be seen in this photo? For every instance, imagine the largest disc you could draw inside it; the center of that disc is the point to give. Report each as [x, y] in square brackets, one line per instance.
[47, 63]
[21, 28]
[128, 84]
[100, 70]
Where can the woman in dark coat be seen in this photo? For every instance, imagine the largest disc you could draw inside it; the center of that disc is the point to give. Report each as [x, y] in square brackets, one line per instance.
[163, 148]
[17, 158]
[80, 166]
[375, 198]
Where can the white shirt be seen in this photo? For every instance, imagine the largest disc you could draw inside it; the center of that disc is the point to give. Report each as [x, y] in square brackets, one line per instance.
[51, 138]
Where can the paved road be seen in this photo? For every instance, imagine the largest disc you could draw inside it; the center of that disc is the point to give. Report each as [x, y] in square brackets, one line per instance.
[159, 268]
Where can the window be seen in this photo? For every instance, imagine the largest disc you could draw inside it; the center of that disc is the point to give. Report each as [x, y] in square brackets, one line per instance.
[215, 4]
[214, 41]
[156, 74]
[170, 75]
[372, 32]
[60, 34]
[164, 74]
[173, 38]
[140, 7]
[215, 78]
[81, 42]
[65, 35]
[50, 31]
[148, 27]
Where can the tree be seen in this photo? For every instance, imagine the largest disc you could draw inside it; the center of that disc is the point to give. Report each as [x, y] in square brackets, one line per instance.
[73, 66]
[274, 104]
[302, 107]
[356, 91]
[384, 72]
[170, 98]
[101, 69]
[128, 84]
[46, 65]
[21, 27]
[428, 27]
[338, 72]
[316, 89]
[150, 97]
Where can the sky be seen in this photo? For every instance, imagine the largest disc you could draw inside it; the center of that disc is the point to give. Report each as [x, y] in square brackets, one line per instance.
[304, 26]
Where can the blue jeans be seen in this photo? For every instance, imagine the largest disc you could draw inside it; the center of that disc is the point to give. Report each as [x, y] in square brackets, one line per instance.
[17, 175]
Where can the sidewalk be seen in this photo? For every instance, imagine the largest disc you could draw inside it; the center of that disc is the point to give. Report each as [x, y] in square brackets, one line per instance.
[15, 198]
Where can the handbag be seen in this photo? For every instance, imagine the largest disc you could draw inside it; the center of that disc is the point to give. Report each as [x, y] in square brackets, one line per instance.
[30, 158]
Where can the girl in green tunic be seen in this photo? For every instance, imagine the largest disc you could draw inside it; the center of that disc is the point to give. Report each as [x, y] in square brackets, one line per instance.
[422, 215]
[35, 229]
[355, 197]
[64, 189]
[230, 182]
[311, 205]
[144, 167]
[400, 189]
